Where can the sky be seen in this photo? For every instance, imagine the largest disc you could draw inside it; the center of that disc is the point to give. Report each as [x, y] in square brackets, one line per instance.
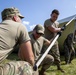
[37, 11]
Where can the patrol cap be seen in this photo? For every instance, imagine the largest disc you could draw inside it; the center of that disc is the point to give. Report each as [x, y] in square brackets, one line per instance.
[11, 11]
[39, 29]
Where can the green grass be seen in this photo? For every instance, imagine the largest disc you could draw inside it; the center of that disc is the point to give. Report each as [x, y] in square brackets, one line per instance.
[70, 68]
[11, 57]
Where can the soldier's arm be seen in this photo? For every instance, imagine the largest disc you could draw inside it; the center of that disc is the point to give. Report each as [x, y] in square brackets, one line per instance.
[47, 42]
[25, 52]
[54, 29]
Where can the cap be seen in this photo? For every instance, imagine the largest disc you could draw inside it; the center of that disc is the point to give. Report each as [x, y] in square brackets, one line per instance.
[11, 11]
[39, 29]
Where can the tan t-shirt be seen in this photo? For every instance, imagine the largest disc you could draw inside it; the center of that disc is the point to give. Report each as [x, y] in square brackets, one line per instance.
[37, 45]
[48, 34]
[11, 33]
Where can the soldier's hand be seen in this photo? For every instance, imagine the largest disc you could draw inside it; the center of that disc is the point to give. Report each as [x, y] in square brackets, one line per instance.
[60, 32]
[62, 28]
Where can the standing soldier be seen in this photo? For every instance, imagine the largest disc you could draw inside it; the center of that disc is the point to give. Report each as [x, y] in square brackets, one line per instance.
[69, 48]
[51, 30]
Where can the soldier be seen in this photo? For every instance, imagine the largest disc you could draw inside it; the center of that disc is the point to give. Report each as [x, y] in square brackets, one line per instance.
[69, 48]
[37, 41]
[13, 32]
[51, 30]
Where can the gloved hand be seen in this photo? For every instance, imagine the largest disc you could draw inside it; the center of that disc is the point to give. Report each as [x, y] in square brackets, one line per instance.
[60, 32]
[62, 28]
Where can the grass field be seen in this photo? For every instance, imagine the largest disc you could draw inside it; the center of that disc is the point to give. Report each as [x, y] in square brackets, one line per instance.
[70, 69]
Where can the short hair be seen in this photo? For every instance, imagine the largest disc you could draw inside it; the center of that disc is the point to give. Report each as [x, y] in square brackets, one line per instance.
[55, 11]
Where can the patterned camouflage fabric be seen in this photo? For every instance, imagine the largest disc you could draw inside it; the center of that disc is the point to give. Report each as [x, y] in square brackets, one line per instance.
[54, 52]
[11, 11]
[16, 68]
[68, 48]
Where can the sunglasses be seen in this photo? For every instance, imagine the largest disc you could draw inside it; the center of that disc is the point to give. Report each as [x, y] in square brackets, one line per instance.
[39, 33]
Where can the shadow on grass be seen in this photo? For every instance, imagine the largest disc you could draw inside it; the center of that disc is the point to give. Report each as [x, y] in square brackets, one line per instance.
[13, 56]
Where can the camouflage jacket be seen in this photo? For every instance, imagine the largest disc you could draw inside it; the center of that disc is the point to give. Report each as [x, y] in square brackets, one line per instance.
[69, 40]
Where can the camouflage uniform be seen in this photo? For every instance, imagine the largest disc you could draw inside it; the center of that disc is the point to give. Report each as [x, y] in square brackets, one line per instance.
[50, 36]
[69, 49]
[16, 68]
[11, 34]
[37, 45]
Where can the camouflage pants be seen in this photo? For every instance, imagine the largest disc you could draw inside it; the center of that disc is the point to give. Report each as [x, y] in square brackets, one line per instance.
[54, 51]
[69, 54]
[56, 54]
[16, 68]
[47, 62]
